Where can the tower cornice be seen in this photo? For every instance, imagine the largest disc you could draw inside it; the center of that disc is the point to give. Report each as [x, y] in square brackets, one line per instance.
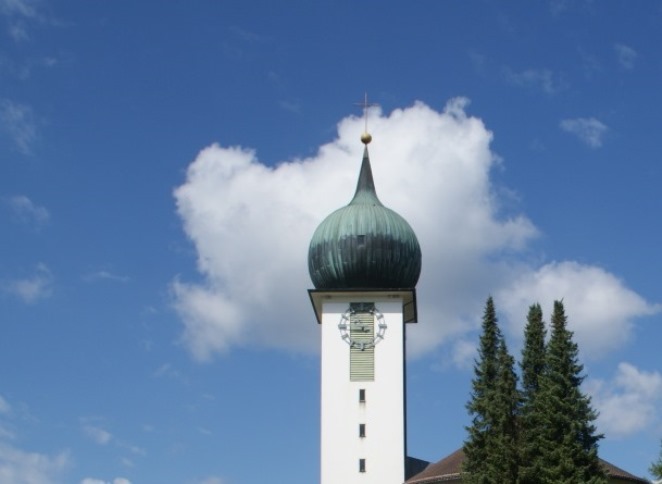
[408, 296]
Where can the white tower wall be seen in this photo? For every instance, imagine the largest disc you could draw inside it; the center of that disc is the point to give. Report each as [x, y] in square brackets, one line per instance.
[383, 412]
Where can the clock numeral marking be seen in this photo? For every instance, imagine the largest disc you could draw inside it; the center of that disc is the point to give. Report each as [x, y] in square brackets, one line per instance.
[357, 331]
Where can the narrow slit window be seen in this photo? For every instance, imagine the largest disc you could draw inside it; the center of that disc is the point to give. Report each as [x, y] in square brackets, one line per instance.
[361, 430]
[361, 465]
[362, 395]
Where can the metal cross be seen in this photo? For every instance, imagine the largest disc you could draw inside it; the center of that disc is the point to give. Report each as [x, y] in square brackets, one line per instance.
[365, 105]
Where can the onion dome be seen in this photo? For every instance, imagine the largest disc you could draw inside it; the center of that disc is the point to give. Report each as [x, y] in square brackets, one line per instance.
[364, 245]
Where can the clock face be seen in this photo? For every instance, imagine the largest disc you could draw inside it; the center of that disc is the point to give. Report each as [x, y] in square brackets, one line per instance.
[362, 326]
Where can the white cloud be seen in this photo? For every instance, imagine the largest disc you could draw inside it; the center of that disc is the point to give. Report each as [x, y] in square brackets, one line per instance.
[18, 32]
[166, 370]
[600, 309]
[213, 321]
[134, 449]
[251, 225]
[32, 288]
[23, 8]
[97, 434]
[20, 467]
[542, 79]
[629, 402]
[104, 275]
[626, 55]
[28, 212]
[17, 12]
[18, 121]
[558, 6]
[24, 69]
[4, 406]
[464, 354]
[6, 433]
[117, 480]
[211, 480]
[291, 106]
[589, 130]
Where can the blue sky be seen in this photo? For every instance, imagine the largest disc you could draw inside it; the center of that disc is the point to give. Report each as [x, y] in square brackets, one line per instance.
[164, 164]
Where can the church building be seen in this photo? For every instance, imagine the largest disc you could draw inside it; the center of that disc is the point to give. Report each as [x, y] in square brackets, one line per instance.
[364, 261]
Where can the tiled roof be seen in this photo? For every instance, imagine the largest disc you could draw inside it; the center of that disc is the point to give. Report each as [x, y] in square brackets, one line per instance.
[449, 469]
[617, 472]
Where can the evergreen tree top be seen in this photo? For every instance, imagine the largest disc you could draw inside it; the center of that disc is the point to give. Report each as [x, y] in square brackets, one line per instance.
[656, 467]
[533, 353]
[485, 366]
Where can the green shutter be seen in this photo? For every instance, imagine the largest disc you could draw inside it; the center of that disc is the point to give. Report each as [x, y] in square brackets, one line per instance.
[362, 349]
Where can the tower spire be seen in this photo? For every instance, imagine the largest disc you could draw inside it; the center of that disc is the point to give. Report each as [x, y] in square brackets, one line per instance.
[365, 187]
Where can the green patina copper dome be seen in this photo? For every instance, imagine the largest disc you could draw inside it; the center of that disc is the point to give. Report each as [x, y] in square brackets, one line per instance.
[364, 245]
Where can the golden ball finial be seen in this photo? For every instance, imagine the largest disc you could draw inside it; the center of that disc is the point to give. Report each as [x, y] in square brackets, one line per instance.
[366, 138]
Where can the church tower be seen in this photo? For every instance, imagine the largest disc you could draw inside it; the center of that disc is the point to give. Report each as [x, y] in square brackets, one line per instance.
[364, 261]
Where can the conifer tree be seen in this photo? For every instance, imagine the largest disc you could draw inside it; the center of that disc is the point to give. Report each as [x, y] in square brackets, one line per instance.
[490, 448]
[569, 441]
[531, 420]
[485, 372]
[533, 353]
[656, 468]
[502, 447]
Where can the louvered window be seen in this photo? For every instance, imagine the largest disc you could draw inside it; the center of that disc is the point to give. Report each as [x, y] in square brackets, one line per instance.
[362, 349]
